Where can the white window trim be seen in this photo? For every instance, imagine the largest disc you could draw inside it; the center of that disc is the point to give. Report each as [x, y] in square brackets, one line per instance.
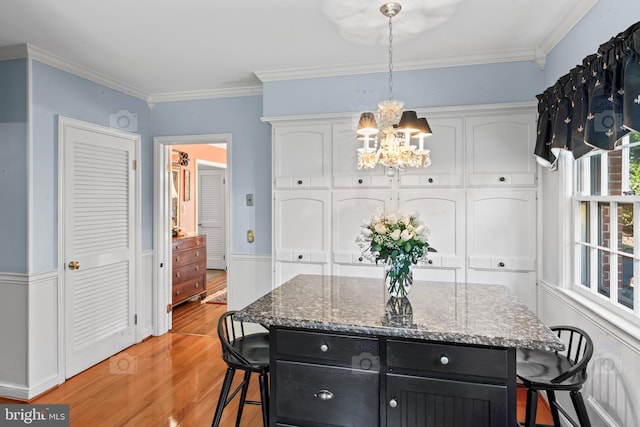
[619, 315]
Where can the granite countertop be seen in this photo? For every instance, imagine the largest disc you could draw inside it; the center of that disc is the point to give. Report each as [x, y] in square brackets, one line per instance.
[435, 311]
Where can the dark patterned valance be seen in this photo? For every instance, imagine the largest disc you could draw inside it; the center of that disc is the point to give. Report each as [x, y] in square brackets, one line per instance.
[595, 104]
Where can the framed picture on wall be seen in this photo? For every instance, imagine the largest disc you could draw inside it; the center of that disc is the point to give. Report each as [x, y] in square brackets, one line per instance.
[187, 185]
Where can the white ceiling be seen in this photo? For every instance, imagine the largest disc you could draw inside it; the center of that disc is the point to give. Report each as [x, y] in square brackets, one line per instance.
[165, 48]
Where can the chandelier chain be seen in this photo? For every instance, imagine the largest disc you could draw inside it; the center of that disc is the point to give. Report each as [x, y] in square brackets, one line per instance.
[390, 58]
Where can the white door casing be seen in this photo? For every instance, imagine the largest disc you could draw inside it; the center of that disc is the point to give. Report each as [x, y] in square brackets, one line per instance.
[99, 241]
[211, 215]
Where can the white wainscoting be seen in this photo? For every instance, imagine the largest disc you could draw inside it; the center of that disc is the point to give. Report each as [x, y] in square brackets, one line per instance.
[612, 392]
[29, 360]
[250, 277]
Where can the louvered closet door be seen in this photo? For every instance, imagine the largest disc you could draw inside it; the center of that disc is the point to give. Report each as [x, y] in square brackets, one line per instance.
[211, 220]
[98, 226]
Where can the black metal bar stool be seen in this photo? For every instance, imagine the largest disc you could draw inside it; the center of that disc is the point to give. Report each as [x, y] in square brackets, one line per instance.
[248, 353]
[552, 371]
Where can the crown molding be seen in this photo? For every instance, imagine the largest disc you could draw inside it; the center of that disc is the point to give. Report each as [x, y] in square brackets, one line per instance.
[48, 58]
[453, 61]
[566, 24]
[16, 51]
[206, 94]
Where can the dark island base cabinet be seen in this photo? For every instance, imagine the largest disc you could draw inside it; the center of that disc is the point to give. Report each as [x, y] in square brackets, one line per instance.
[323, 379]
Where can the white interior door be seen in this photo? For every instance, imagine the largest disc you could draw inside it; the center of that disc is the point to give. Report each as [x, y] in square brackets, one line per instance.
[211, 215]
[98, 189]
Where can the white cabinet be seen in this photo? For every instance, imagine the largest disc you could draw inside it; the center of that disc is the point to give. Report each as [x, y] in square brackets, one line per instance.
[501, 239]
[443, 213]
[302, 156]
[344, 163]
[447, 157]
[499, 149]
[478, 198]
[350, 208]
[302, 225]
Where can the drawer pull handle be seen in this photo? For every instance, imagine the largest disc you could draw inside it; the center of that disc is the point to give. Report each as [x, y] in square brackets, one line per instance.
[197, 268]
[197, 254]
[197, 285]
[177, 247]
[501, 264]
[178, 259]
[178, 292]
[324, 395]
[444, 360]
[178, 274]
[324, 348]
[393, 403]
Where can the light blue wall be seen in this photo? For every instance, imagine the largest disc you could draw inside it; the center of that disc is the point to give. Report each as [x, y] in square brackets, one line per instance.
[436, 87]
[58, 93]
[250, 155]
[13, 166]
[605, 20]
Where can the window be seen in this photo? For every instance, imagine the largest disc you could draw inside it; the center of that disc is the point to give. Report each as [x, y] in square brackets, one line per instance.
[606, 202]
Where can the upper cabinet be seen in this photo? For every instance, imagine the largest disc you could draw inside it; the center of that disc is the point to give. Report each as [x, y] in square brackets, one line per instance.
[302, 156]
[447, 156]
[499, 149]
[344, 163]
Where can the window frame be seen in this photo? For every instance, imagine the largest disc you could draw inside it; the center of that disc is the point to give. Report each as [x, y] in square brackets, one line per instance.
[581, 176]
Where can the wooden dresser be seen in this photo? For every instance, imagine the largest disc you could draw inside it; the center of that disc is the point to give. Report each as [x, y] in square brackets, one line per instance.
[189, 268]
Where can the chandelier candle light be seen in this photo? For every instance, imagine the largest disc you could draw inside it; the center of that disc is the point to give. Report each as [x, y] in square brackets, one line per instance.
[391, 128]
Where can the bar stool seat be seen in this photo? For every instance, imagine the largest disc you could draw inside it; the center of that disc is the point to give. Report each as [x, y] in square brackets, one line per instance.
[248, 353]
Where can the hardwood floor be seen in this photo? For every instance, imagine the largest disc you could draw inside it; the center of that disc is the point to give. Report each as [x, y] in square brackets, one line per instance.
[172, 380]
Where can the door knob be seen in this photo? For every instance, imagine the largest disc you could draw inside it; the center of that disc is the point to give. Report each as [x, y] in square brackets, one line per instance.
[74, 265]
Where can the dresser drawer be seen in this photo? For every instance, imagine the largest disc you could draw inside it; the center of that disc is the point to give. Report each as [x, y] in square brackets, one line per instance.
[188, 256]
[448, 359]
[338, 349]
[186, 290]
[308, 393]
[187, 243]
[188, 272]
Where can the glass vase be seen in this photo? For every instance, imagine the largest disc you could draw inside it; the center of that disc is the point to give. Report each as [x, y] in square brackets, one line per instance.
[398, 279]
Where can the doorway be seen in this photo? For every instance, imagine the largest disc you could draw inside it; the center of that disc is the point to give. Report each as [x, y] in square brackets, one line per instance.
[165, 151]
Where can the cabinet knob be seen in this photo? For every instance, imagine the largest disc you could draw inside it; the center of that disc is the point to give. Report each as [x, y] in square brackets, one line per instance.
[360, 259]
[197, 285]
[197, 254]
[177, 247]
[430, 261]
[360, 181]
[324, 395]
[501, 264]
[178, 292]
[197, 268]
[444, 360]
[324, 348]
[393, 403]
[178, 259]
[430, 180]
[299, 182]
[502, 179]
[300, 256]
[178, 274]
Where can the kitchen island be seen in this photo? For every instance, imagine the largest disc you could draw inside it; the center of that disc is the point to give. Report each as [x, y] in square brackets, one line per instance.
[343, 353]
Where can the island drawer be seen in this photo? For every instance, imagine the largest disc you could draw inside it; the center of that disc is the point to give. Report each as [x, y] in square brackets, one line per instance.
[308, 393]
[339, 349]
[448, 359]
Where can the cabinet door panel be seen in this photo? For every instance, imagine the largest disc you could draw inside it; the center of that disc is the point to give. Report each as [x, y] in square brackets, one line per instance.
[302, 221]
[442, 212]
[502, 224]
[430, 402]
[500, 145]
[302, 156]
[350, 208]
[446, 145]
[345, 161]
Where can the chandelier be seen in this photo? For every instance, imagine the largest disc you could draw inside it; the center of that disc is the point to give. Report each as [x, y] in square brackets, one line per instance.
[386, 134]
